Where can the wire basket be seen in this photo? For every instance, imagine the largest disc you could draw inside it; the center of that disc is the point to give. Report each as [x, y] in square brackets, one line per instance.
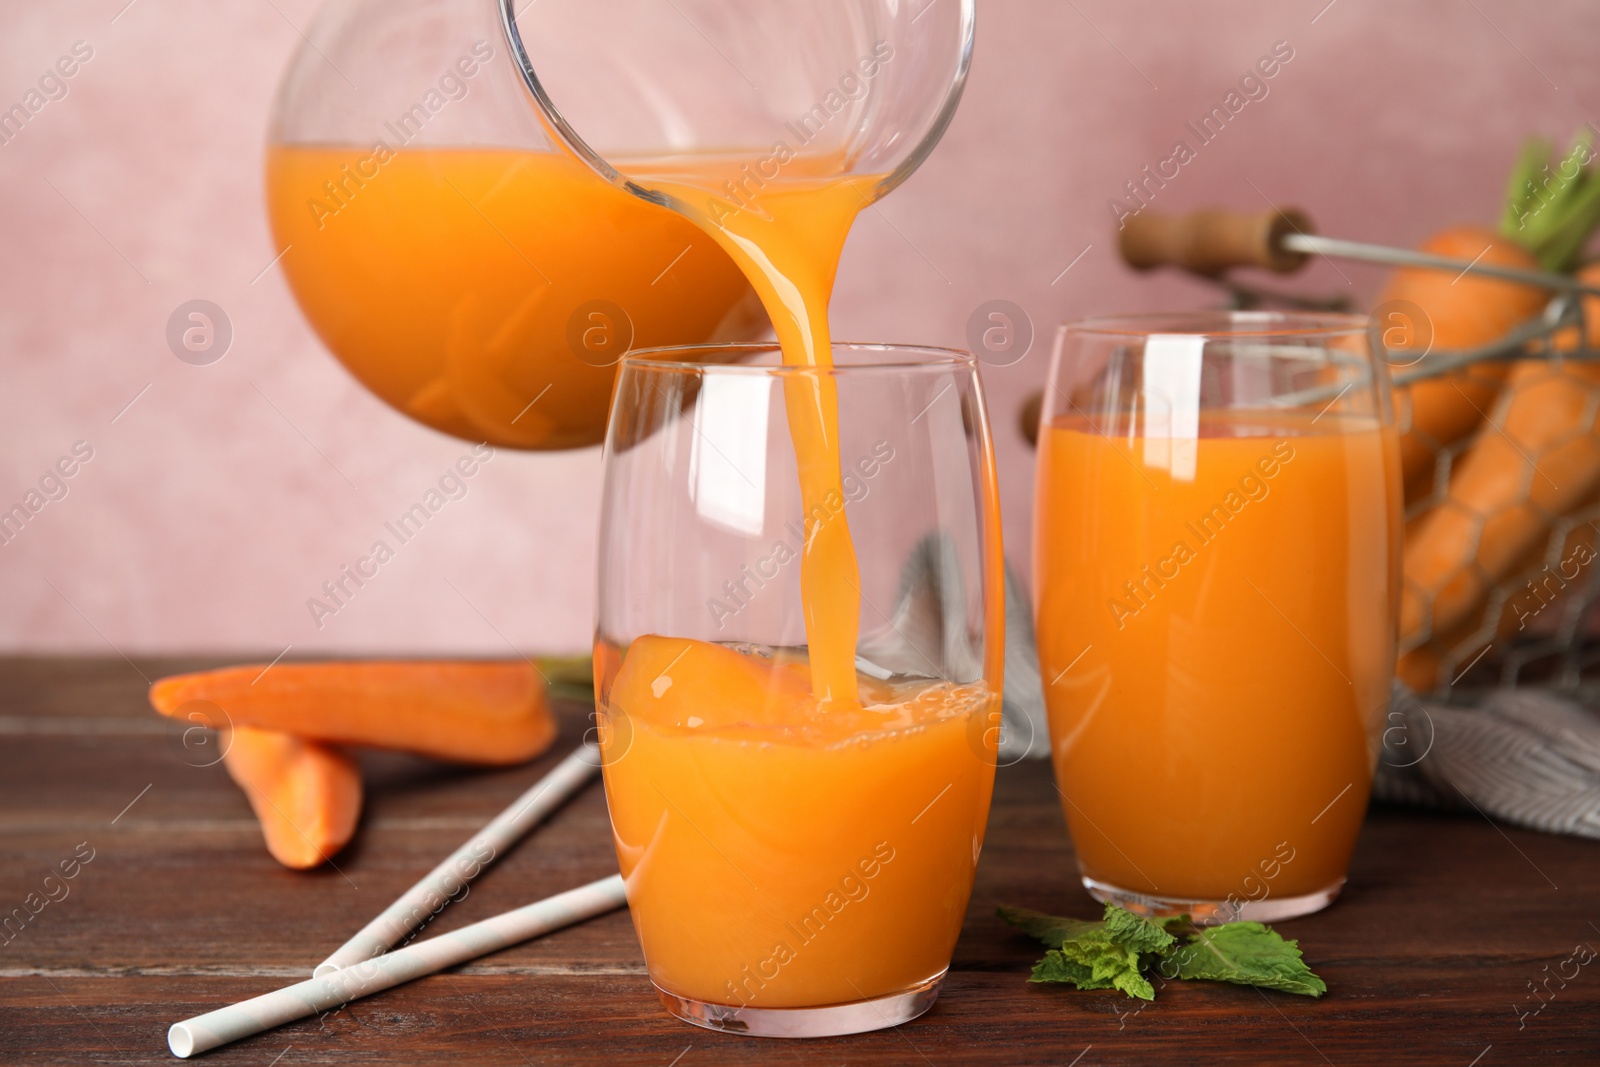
[1535, 622]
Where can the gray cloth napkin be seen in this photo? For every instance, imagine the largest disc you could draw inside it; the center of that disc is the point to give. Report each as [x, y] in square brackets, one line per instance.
[1527, 756]
[928, 636]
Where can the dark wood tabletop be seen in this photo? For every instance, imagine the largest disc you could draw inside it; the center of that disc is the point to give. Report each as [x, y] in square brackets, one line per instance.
[1449, 945]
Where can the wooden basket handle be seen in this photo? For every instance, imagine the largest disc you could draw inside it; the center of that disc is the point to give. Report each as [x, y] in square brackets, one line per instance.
[1210, 242]
[1028, 417]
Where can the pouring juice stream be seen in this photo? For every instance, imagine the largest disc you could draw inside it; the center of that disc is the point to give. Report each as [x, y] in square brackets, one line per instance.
[813, 776]
[787, 241]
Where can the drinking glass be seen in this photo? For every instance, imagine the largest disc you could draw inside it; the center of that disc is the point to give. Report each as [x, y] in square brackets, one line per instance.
[1216, 563]
[797, 867]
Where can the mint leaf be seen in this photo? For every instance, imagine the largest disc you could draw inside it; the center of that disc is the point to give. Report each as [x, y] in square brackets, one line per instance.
[1051, 929]
[1118, 951]
[1125, 927]
[1136, 932]
[1057, 968]
[1110, 962]
[1245, 953]
[1094, 955]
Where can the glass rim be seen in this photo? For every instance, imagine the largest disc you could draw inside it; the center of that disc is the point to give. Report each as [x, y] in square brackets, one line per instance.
[933, 357]
[1224, 324]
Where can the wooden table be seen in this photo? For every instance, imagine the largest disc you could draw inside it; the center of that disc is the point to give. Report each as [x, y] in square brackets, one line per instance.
[1447, 924]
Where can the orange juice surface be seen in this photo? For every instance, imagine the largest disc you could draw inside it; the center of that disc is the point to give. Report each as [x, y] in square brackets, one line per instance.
[1216, 637]
[782, 852]
[793, 835]
[478, 289]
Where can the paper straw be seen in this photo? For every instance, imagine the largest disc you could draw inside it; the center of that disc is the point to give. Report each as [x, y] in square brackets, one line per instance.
[429, 896]
[205, 1032]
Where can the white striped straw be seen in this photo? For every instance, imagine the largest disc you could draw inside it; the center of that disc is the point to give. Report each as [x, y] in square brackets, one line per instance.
[205, 1032]
[436, 888]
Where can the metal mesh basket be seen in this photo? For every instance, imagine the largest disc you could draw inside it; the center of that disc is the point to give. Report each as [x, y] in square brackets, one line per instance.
[1534, 625]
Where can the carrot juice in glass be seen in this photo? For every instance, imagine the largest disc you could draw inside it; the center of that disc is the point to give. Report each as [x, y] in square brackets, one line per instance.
[1216, 549]
[798, 820]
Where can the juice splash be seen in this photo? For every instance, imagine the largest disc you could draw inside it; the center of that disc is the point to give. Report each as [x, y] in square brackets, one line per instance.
[792, 834]
[450, 282]
[1216, 651]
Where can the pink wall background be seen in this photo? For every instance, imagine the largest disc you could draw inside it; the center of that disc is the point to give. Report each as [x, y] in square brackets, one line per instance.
[224, 496]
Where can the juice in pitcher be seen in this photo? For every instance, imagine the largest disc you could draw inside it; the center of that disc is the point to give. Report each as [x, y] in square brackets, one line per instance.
[489, 292]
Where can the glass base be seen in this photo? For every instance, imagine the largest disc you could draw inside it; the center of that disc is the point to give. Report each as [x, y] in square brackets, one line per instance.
[834, 1020]
[1269, 909]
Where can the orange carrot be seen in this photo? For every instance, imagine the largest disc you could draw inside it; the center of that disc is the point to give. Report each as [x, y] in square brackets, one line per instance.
[306, 796]
[1459, 313]
[489, 713]
[1552, 206]
[1418, 669]
[1536, 461]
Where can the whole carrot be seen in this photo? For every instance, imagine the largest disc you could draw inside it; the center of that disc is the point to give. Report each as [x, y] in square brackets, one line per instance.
[1460, 313]
[465, 712]
[1538, 459]
[307, 796]
[1552, 206]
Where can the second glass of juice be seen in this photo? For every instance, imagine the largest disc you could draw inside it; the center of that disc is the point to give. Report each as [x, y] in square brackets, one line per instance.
[1217, 525]
[798, 676]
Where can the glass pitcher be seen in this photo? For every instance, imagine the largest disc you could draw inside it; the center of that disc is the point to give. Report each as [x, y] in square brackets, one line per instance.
[481, 259]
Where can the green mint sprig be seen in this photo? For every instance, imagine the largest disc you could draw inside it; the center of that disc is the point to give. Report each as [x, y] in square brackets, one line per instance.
[1119, 952]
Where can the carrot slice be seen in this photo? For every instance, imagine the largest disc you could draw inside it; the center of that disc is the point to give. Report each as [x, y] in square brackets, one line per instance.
[307, 796]
[465, 712]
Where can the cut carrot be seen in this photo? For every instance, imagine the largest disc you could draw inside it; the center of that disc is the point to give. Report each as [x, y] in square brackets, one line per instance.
[307, 796]
[465, 712]
[1460, 313]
